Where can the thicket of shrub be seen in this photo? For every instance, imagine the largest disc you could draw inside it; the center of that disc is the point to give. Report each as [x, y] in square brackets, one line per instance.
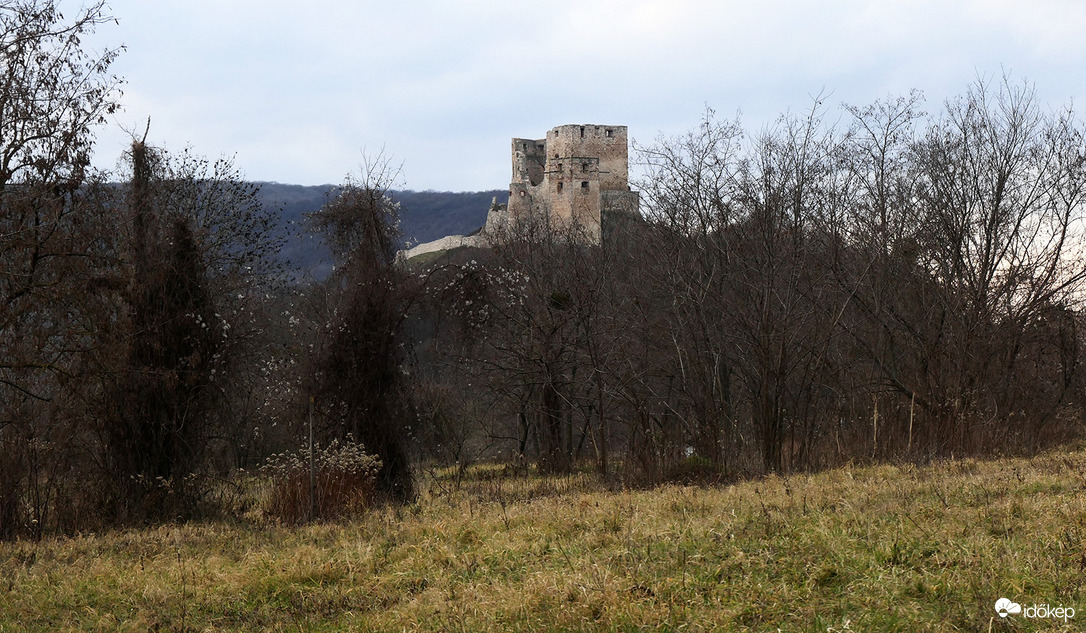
[344, 482]
[890, 284]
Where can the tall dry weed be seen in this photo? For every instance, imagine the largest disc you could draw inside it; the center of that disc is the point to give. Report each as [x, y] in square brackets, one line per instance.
[344, 482]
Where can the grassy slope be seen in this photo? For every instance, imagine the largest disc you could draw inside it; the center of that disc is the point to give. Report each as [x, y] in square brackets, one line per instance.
[864, 549]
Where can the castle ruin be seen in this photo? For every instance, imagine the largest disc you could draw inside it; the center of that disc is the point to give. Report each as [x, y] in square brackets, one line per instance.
[577, 176]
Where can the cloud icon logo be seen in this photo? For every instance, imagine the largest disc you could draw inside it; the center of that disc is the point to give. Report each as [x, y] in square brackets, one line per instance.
[1005, 607]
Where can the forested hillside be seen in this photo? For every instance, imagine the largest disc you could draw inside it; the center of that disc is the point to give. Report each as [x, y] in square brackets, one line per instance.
[424, 216]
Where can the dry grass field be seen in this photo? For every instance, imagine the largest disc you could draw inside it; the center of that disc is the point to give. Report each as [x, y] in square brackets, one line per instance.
[873, 548]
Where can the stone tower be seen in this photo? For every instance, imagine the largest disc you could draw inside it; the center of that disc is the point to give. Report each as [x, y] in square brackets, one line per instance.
[578, 174]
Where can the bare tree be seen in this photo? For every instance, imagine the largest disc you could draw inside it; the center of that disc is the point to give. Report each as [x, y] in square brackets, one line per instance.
[239, 241]
[357, 376]
[55, 248]
[156, 416]
[749, 320]
[692, 191]
[1002, 250]
[53, 93]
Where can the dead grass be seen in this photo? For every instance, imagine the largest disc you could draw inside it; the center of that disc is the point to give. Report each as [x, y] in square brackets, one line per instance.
[883, 548]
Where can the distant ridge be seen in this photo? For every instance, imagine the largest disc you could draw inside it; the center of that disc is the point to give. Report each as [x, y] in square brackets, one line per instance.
[424, 216]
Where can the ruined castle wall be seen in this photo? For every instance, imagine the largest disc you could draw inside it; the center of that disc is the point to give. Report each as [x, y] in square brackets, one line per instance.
[628, 202]
[573, 196]
[529, 157]
[574, 175]
[522, 196]
[577, 175]
[605, 143]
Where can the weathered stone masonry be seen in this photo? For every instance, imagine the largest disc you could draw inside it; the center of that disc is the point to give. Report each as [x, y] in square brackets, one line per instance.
[578, 174]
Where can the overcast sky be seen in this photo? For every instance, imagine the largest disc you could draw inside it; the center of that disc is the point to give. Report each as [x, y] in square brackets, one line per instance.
[295, 91]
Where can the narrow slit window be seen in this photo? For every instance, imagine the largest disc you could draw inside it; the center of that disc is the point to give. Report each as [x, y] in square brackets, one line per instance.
[559, 187]
[584, 186]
